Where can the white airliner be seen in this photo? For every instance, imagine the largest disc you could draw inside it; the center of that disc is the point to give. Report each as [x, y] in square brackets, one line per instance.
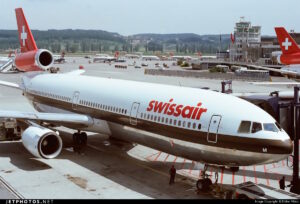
[200, 125]
[104, 58]
[196, 124]
[150, 58]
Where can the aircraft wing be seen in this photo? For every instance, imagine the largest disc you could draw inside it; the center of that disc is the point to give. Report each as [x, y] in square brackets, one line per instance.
[10, 84]
[56, 118]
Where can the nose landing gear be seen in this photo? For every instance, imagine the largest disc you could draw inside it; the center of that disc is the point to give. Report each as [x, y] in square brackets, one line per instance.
[205, 184]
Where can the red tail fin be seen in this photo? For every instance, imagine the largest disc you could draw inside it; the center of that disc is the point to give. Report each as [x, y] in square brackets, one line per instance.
[25, 36]
[286, 42]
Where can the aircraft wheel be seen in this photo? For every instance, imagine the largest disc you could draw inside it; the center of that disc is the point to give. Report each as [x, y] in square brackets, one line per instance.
[199, 184]
[204, 184]
[83, 138]
[76, 142]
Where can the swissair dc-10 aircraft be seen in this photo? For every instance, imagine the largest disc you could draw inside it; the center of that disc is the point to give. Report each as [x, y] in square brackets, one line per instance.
[196, 124]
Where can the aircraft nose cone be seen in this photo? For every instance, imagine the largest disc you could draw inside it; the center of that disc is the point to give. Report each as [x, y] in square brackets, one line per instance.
[287, 146]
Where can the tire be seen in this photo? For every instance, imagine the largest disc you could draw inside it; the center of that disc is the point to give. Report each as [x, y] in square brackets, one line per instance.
[207, 183]
[76, 138]
[204, 185]
[83, 137]
[199, 184]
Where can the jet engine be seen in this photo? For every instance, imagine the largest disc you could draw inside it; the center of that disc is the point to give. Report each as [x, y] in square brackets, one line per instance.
[42, 142]
[35, 60]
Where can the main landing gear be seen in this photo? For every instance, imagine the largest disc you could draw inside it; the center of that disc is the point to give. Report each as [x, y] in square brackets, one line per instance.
[204, 184]
[80, 141]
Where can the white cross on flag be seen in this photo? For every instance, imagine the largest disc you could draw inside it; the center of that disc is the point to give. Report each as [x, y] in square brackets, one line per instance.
[286, 44]
[23, 35]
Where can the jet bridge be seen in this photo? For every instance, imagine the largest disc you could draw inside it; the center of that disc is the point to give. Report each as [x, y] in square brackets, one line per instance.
[287, 113]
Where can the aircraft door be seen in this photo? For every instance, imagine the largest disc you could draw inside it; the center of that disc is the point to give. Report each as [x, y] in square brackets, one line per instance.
[133, 113]
[75, 100]
[212, 134]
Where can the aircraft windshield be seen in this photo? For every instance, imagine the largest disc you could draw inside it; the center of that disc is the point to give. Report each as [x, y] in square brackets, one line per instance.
[270, 127]
[256, 127]
[244, 127]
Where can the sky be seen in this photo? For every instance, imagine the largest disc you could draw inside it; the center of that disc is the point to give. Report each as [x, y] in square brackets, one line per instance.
[128, 17]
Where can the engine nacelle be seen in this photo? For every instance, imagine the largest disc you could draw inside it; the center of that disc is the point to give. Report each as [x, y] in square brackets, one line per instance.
[35, 60]
[42, 142]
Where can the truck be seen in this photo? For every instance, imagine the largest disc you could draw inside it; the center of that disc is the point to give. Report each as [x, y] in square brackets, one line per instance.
[9, 129]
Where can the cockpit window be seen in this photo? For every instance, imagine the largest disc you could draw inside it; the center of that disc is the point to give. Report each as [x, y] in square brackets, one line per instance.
[244, 127]
[270, 127]
[256, 127]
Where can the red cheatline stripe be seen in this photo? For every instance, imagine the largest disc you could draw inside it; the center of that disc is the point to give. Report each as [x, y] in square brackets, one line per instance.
[148, 158]
[254, 168]
[166, 158]
[192, 167]
[157, 156]
[233, 178]
[222, 174]
[244, 174]
[182, 164]
[265, 169]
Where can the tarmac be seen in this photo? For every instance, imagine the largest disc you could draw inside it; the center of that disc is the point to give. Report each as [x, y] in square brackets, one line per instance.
[112, 169]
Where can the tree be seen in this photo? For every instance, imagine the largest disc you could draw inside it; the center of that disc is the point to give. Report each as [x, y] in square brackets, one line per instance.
[74, 48]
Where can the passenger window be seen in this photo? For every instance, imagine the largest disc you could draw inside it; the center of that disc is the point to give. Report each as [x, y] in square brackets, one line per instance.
[148, 117]
[170, 121]
[167, 120]
[151, 117]
[256, 127]
[244, 127]
[179, 122]
[175, 121]
[158, 119]
[199, 126]
[194, 125]
[183, 123]
[189, 124]
[141, 115]
[162, 119]
[155, 117]
[270, 127]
